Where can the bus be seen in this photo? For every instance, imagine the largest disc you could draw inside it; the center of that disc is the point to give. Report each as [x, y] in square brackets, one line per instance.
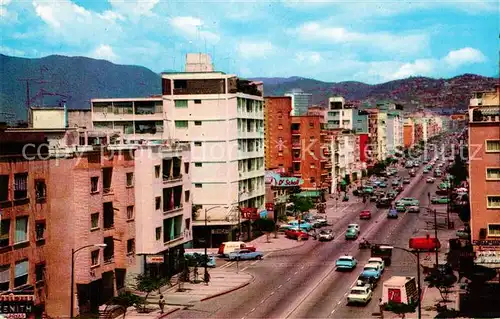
[382, 251]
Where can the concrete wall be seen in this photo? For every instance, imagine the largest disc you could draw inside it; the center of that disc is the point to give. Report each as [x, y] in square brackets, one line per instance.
[48, 118]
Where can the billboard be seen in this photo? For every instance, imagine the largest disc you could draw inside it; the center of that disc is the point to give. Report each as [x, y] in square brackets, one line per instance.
[277, 180]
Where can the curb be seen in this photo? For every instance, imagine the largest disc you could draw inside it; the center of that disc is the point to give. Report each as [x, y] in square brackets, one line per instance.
[163, 315]
[279, 249]
[228, 291]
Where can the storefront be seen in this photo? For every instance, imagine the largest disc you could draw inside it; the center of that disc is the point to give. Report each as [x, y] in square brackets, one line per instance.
[165, 264]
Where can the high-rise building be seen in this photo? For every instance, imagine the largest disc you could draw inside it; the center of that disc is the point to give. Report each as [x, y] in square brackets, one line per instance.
[340, 114]
[222, 118]
[278, 137]
[408, 133]
[484, 169]
[300, 101]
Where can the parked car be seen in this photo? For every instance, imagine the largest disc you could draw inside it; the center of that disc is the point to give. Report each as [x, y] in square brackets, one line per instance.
[425, 171]
[440, 200]
[379, 261]
[365, 214]
[360, 295]
[368, 190]
[409, 201]
[412, 173]
[211, 261]
[229, 246]
[372, 270]
[351, 233]
[392, 213]
[245, 254]
[400, 207]
[430, 180]
[413, 209]
[302, 225]
[295, 233]
[462, 233]
[325, 235]
[384, 202]
[346, 262]
[395, 182]
[382, 185]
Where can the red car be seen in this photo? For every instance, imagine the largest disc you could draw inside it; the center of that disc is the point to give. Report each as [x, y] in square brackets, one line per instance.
[365, 214]
[296, 234]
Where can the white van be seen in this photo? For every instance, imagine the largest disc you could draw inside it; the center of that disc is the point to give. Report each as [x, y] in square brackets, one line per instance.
[230, 246]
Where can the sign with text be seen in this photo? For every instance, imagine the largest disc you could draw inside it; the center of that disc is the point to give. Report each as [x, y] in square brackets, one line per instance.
[155, 259]
[279, 181]
[16, 306]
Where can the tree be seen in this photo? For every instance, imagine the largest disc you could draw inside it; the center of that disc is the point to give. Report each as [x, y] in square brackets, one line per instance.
[266, 226]
[125, 300]
[458, 170]
[147, 283]
[401, 308]
[443, 281]
[302, 204]
[379, 167]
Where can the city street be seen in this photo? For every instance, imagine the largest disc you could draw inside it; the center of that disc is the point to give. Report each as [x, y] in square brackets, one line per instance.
[303, 283]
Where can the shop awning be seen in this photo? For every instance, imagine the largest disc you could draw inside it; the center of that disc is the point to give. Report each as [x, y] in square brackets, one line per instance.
[308, 194]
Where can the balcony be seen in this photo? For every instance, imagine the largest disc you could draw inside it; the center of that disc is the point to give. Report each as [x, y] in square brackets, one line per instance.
[485, 115]
[172, 179]
[250, 115]
[328, 165]
[173, 209]
[253, 134]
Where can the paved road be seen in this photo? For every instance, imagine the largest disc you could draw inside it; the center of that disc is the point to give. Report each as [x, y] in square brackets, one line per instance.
[303, 282]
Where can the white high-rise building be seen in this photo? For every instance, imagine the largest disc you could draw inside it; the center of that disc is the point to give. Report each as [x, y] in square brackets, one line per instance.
[300, 101]
[222, 118]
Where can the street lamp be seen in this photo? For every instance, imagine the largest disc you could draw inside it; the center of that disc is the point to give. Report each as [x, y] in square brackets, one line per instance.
[73, 252]
[435, 227]
[206, 238]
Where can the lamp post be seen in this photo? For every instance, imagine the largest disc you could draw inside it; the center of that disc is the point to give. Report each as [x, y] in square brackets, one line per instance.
[73, 252]
[206, 237]
[435, 228]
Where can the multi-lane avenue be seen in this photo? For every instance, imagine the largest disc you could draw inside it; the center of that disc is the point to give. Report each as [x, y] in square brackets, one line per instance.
[303, 283]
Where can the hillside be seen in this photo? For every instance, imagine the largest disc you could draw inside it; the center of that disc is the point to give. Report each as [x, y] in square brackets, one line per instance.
[75, 79]
[78, 79]
[411, 92]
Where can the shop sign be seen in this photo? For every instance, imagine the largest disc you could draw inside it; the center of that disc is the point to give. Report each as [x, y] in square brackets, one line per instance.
[278, 181]
[486, 242]
[16, 306]
[488, 257]
[155, 259]
[270, 207]
[220, 231]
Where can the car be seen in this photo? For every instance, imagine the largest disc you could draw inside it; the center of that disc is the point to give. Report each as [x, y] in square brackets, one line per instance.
[368, 190]
[365, 214]
[440, 200]
[302, 225]
[325, 235]
[409, 201]
[360, 295]
[425, 171]
[372, 270]
[382, 185]
[400, 207]
[463, 233]
[373, 198]
[355, 226]
[377, 183]
[364, 281]
[400, 188]
[392, 213]
[377, 260]
[211, 261]
[245, 254]
[406, 181]
[430, 180]
[412, 173]
[416, 164]
[438, 173]
[395, 182]
[384, 202]
[392, 194]
[346, 262]
[295, 233]
[351, 233]
[413, 209]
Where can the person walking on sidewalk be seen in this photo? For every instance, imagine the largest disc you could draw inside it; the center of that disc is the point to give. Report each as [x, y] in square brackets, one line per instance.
[161, 303]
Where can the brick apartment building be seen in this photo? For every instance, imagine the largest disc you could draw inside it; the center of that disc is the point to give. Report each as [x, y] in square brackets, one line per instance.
[484, 169]
[278, 137]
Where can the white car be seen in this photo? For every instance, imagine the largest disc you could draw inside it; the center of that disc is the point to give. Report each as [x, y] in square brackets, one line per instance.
[430, 180]
[377, 260]
[355, 226]
[325, 234]
[360, 295]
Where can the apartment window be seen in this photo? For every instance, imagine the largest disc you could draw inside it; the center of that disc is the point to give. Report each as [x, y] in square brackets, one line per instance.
[493, 202]
[280, 126]
[494, 230]
[197, 143]
[39, 272]
[4, 188]
[311, 125]
[186, 168]
[5, 233]
[40, 230]
[493, 146]
[197, 123]
[280, 115]
[107, 176]
[21, 234]
[20, 186]
[21, 273]
[493, 174]
[157, 171]
[40, 190]
[131, 246]
[313, 165]
[186, 196]
[109, 215]
[94, 184]
[4, 277]
[280, 154]
[312, 180]
[312, 139]
[198, 164]
[198, 185]
[187, 221]
[94, 258]
[197, 101]
[158, 233]
[181, 103]
[94, 221]
[130, 179]
[157, 202]
[181, 124]
[130, 212]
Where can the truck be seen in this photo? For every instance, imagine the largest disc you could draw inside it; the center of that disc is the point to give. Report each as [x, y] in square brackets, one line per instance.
[400, 289]
[382, 251]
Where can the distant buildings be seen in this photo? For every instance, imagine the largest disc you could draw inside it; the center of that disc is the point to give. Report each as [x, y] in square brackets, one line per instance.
[300, 101]
[278, 140]
[484, 169]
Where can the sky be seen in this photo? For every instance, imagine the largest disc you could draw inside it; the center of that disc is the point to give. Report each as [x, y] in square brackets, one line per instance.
[337, 40]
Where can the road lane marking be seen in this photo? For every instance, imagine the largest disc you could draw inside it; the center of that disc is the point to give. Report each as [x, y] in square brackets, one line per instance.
[244, 268]
[340, 301]
[272, 293]
[330, 312]
[280, 286]
[289, 279]
[252, 310]
[295, 272]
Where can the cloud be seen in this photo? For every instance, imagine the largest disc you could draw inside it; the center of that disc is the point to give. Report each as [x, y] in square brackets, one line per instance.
[310, 57]
[192, 28]
[104, 52]
[255, 49]
[134, 8]
[463, 56]
[387, 42]
[11, 51]
[46, 13]
[7, 16]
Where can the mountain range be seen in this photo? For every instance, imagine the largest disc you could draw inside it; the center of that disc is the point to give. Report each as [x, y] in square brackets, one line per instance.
[79, 79]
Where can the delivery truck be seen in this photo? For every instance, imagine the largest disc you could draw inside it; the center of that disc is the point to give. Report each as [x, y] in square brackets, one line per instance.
[400, 289]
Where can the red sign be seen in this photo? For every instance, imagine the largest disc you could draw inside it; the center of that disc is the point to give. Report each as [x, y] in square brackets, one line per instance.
[270, 206]
[249, 213]
[394, 295]
[424, 243]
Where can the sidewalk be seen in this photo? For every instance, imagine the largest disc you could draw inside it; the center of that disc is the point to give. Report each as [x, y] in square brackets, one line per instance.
[275, 244]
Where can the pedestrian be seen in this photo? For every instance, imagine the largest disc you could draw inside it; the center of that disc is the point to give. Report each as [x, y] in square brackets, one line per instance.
[161, 303]
[381, 307]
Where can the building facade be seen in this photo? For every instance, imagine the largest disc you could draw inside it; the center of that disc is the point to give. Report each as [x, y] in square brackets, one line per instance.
[340, 114]
[300, 101]
[381, 135]
[278, 137]
[408, 133]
